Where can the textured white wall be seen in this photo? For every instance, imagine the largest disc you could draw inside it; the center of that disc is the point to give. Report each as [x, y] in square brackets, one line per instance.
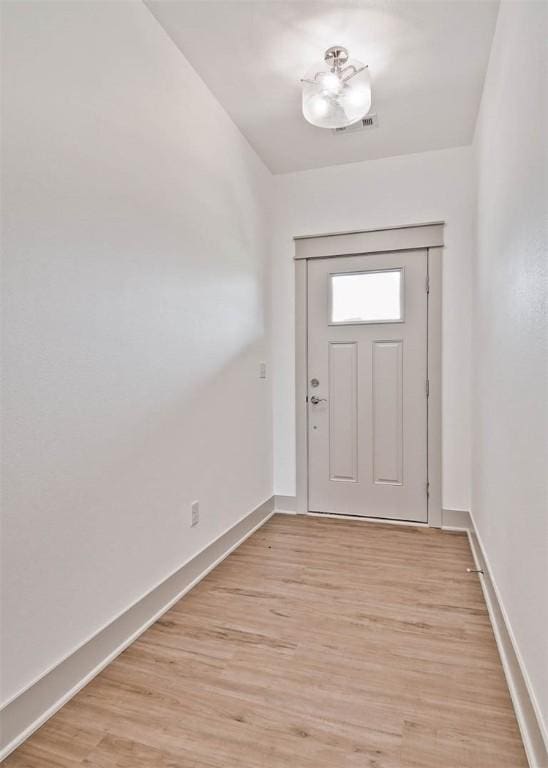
[510, 330]
[135, 298]
[408, 189]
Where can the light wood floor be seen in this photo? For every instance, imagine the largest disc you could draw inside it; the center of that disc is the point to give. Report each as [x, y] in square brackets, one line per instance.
[319, 643]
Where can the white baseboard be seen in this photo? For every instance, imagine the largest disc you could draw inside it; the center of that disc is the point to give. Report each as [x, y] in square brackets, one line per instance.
[28, 711]
[285, 503]
[532, 728]
[456, 520]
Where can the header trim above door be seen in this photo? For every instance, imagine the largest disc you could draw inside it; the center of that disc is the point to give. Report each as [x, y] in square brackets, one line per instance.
[370, 241]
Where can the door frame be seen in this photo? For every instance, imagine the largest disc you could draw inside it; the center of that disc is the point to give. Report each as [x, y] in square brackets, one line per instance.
[427, 237]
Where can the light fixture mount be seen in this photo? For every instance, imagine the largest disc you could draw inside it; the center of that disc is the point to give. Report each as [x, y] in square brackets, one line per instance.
[336, 57]
[337, 91]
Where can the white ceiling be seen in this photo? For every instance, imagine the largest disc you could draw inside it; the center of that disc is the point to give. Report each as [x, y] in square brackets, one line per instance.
[427, 60]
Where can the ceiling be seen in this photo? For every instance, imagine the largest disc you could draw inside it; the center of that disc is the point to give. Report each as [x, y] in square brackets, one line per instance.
[427, 60]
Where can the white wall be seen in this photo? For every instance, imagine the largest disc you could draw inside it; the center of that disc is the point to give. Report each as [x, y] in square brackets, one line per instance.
[135, 319]
[409, 189]
[510, 331]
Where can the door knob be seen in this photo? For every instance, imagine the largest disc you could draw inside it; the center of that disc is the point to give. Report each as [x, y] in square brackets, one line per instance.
[315, 400]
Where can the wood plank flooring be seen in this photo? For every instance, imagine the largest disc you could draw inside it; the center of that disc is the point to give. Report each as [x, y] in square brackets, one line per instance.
[319, 643]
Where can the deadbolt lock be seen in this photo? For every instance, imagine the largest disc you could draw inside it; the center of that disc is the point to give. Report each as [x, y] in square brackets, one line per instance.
[314, 382]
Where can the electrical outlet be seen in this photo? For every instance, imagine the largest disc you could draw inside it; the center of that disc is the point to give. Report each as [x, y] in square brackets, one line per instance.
[195, 509]
[262, 370]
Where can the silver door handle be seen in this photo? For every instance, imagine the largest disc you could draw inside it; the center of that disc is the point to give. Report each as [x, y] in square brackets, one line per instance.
[315, 400]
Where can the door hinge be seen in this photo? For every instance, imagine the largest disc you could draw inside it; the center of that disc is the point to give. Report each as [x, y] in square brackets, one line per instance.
[427, 490]
[427, 387]
[427, 283]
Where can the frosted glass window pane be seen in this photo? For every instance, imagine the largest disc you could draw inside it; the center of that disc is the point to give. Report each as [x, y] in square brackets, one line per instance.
[366, 297]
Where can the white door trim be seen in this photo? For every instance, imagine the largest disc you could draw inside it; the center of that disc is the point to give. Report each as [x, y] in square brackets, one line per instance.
[370, 241]
[428, 236]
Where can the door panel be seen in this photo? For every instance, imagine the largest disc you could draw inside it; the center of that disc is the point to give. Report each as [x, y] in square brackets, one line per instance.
[367, 417]
[343, 411]
[387, 405]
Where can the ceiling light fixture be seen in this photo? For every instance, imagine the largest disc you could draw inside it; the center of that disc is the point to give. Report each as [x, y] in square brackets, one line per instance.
[337, 91]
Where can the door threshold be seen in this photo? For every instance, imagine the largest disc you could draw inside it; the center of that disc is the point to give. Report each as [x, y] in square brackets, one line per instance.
[365, 519]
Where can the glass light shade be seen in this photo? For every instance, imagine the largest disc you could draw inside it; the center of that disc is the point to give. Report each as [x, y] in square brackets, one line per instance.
[335, 97]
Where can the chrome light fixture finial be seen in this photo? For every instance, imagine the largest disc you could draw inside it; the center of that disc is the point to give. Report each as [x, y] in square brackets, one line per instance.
[337, 91]
[336, 57]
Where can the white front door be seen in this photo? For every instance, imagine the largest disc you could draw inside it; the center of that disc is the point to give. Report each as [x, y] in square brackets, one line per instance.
[367, 391]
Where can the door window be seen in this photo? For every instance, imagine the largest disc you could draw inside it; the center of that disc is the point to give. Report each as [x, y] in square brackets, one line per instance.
[366, 297]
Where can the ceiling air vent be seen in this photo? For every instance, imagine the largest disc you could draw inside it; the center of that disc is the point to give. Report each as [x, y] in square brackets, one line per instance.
[365, 124]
